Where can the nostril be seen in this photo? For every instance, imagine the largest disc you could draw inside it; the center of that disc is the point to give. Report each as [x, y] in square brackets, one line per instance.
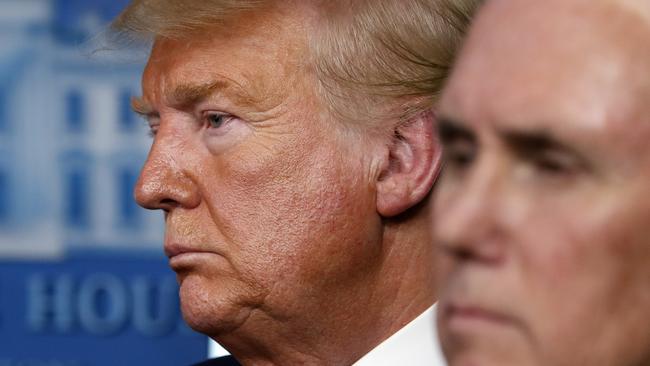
[459, 252]
[485, 251]
[162, 188]
[463, 254]
[166, 204]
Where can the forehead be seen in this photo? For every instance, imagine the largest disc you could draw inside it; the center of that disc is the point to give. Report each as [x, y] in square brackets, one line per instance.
[575, 67]
[258, 55]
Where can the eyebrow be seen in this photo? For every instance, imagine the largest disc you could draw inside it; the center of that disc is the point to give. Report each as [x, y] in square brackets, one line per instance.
[188, 94]
[140, 106]
[524, 142]
[185, 95]
[450, 130]
[529, 143]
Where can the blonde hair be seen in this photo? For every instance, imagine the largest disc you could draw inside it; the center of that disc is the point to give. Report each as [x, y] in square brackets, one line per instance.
[389, 52]
[374, 59]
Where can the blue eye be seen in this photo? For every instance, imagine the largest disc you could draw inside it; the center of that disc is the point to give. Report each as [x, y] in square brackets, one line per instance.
[216, 120]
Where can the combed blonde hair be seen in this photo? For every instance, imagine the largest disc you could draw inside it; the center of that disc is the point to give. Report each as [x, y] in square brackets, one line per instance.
[375, 60]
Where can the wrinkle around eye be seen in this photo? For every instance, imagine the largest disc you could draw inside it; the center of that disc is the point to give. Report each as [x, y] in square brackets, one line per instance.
[233, 132]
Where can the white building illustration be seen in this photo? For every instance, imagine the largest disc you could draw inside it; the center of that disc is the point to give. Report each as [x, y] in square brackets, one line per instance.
[70, 147]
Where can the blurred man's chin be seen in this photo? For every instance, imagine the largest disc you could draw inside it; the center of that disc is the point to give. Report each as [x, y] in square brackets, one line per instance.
[470, 359]
[488, 352]
[473, 358]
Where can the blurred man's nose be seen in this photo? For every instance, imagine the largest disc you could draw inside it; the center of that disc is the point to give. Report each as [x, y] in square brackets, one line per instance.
[468, 223]
[165, 182]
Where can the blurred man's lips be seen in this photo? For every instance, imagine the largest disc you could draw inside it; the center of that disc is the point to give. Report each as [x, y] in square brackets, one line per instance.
[472, 318]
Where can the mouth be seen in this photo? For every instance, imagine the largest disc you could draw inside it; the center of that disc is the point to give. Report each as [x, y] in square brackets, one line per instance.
[465, 319]
[182, 256]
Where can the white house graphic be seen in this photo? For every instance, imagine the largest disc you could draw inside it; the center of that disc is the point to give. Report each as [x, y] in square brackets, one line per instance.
[70, 148]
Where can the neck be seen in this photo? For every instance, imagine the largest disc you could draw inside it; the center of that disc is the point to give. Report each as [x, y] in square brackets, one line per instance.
[338, 329]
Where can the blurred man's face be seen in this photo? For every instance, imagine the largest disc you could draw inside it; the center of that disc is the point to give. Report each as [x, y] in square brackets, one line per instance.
[267, 214]
[543, 210]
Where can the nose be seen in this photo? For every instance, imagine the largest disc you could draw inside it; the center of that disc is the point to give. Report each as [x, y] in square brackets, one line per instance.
[165, 182]
[468, 216]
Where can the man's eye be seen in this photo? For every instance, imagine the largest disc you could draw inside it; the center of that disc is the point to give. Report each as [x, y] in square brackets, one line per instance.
[154, 125]
[556, 163]
[549, 166]
[460, 154]
[216, 120]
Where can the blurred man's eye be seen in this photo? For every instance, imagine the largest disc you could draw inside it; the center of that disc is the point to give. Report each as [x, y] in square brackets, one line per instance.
[546, 155]
[459, 154]
[556, 163]
[459, 144]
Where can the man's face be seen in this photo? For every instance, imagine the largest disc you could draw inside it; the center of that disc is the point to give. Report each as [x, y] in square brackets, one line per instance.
[269, 208]
[543, 210]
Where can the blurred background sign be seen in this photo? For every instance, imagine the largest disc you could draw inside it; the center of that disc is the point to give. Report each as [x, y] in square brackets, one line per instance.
[82, 277]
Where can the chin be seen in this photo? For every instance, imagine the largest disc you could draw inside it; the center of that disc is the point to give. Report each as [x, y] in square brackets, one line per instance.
[207, 310]
[489, 350]
[486, 359]
[475, 360]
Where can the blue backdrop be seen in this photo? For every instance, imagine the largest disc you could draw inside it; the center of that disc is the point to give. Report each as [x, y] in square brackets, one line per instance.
[82, 277]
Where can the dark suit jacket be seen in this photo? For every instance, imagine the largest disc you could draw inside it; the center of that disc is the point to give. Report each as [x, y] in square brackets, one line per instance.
[221, 361]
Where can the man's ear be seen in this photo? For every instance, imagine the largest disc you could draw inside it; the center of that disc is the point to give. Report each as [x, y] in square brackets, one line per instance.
[412, 167]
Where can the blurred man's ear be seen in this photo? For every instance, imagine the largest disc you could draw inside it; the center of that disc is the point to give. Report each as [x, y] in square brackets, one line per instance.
[412, 165]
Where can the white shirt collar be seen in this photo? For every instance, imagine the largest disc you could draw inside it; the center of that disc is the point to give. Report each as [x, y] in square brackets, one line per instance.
[415, 345]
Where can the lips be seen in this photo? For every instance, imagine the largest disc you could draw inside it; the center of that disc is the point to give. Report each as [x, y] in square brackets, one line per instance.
[475, 312]
[172, 250]
[175, 249]
[473, 318]
[184, 258]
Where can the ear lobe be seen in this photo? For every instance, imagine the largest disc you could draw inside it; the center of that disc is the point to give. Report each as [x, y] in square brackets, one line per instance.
[413, 165]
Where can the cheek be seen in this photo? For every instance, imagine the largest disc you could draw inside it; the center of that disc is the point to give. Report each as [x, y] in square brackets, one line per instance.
[448, 189]
[585, 260]
[294, 212]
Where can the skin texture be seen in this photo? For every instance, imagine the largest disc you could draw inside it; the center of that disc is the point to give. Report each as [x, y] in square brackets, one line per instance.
[301, 243]
[543, 208]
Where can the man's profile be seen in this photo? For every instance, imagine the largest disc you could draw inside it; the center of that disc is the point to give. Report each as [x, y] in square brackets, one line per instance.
[293, 156]
[542, 213]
